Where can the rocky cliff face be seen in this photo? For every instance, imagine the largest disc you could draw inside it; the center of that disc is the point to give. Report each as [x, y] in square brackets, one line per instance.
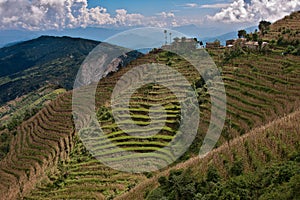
[103, 60]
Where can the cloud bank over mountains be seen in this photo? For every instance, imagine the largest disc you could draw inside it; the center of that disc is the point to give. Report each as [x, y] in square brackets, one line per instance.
[255, 10]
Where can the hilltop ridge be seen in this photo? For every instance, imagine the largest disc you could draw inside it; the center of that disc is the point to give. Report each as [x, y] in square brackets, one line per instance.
[30, 65]
[287, 30]
[45, 60]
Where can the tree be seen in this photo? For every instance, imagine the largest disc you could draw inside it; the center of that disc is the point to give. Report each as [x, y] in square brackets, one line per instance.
[212, 174]
[260, 42]
[176, 39]
[264, 26]
[217, 43]
[242, 33]
[248, 37]
[237, 167]
[179, 185]
[255, 37]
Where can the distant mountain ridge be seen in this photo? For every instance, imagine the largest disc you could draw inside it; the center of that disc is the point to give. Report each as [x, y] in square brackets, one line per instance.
[9, 37]
[26, 54]
[30, 65]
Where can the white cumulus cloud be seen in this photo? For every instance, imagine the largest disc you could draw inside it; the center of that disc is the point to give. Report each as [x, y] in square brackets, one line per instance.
[166, 14]
[59, 14]
[217, 5]
[191, 5]
[255, 10]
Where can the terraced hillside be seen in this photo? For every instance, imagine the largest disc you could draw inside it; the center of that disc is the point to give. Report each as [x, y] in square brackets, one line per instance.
[259, 89]
[262, 164]
[285, 30]
[26, 105]
[36, 148]
[95, 179]
[21, 109]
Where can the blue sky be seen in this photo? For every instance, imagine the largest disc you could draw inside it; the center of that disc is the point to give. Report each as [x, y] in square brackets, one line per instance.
[153, 7]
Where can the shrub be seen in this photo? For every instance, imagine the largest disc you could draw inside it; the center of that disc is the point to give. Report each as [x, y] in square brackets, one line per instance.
[179, 185]
[280, 41]
[212, 175]
[289, 49]
[237, 167]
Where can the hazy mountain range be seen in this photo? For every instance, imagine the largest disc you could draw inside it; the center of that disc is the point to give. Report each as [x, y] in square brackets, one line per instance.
[9, 37]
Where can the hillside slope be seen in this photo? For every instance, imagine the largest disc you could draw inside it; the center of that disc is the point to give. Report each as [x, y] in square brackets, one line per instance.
[44, 49]
[276, 142]
[259, 89]
[286, 29]
[30, 65]
[13, 113]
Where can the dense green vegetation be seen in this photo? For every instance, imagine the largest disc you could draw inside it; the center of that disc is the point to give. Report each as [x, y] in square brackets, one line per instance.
[5, 139]
[277, 181]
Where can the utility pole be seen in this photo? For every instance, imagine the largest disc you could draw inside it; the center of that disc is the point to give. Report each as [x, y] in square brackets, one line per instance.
[166, 37]
[170, 38]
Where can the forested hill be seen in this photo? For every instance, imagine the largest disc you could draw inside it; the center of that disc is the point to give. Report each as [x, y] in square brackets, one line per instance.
[42, 50]
[30, 65]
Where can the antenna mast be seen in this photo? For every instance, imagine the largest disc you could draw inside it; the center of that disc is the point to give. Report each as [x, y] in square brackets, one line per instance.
[166, 37]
